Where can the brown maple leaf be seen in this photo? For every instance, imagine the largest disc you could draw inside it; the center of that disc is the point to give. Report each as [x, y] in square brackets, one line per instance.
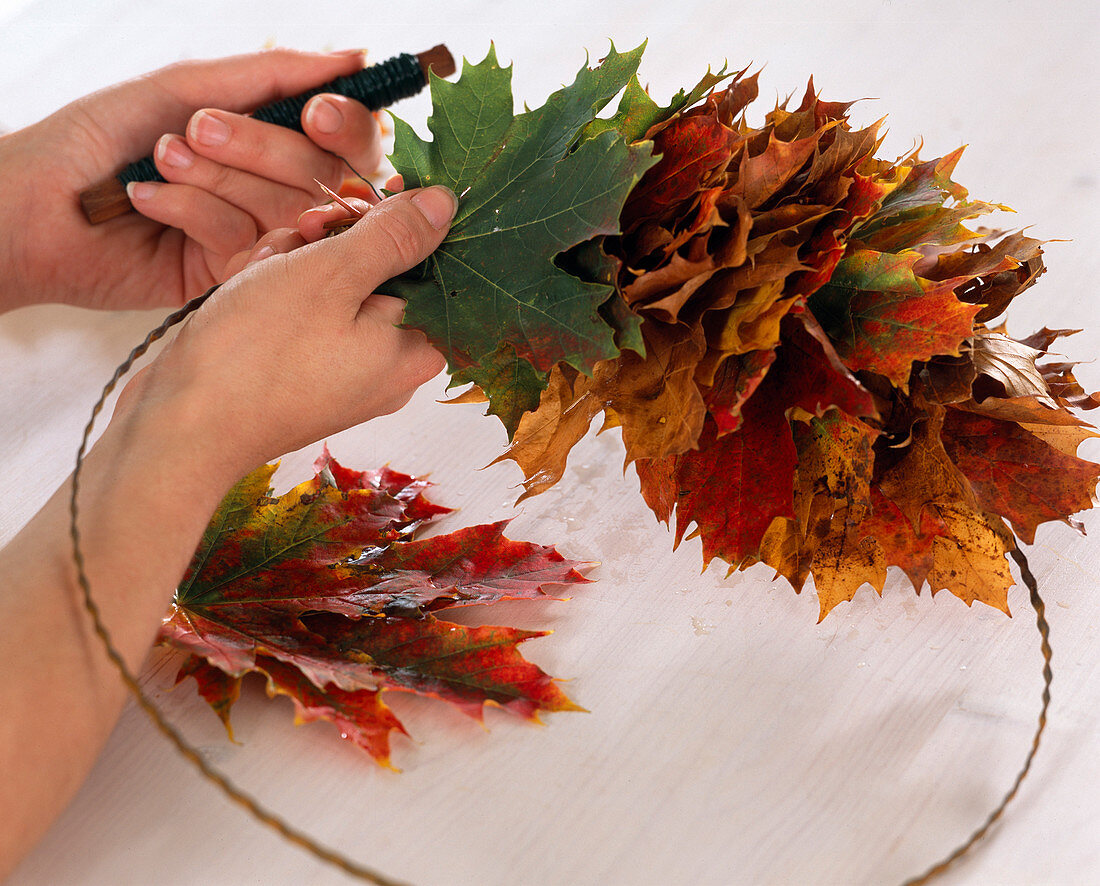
[969, 557]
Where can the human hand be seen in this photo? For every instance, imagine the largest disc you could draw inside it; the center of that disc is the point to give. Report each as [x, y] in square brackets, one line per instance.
[297, 346]
[311, 227]
[294, 348]
[257, 180]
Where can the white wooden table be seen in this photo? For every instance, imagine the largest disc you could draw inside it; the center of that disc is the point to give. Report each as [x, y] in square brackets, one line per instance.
[730, 739]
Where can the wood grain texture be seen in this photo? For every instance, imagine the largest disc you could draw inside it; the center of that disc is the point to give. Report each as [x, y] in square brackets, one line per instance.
[729, 739]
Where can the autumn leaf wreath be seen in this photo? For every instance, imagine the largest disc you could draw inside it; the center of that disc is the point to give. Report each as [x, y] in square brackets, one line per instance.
[795, 337]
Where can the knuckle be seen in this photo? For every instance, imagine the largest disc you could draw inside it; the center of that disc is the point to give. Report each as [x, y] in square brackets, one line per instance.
[219, 178]
[237, 232]
[420, 361]
[428, 364]
[418, 366]
[246, 149]
[399, 231]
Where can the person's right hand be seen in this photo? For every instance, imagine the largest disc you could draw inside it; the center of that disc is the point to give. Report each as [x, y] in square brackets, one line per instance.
[298, 346]
[292, 349]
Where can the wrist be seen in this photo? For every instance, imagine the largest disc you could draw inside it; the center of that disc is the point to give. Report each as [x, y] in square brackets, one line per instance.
[166, 445]
[13, 286]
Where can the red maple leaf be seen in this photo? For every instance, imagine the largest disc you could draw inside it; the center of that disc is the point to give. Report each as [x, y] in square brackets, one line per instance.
[325, 593]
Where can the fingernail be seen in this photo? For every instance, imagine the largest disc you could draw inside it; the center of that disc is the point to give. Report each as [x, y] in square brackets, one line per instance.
[346, 52]
[263, 252]
[324, 116]
[173, 151]
[207, 129]
[323, 209]
[141, 190]
[437, 204]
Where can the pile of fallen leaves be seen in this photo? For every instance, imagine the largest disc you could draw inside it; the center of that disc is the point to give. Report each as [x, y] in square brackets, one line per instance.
[793, 335]
[327, 593]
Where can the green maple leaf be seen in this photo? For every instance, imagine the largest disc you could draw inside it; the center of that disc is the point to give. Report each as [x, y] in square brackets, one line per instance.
[530, 187]
[637, 112]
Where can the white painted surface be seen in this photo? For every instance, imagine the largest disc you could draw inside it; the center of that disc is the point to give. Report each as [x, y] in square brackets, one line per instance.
[729, 739]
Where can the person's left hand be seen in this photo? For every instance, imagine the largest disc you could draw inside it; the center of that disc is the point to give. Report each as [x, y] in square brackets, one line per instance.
[230, 178]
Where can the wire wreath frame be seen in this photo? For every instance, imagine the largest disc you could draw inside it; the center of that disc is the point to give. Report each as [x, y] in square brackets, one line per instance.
[330, 856]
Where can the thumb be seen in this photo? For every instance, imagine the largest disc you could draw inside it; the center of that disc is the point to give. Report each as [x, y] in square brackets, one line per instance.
[393, 237]
[345, 128]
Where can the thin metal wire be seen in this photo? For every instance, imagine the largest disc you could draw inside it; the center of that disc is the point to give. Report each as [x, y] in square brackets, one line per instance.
[1048, 675]
[302, 840]
[189, 752]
